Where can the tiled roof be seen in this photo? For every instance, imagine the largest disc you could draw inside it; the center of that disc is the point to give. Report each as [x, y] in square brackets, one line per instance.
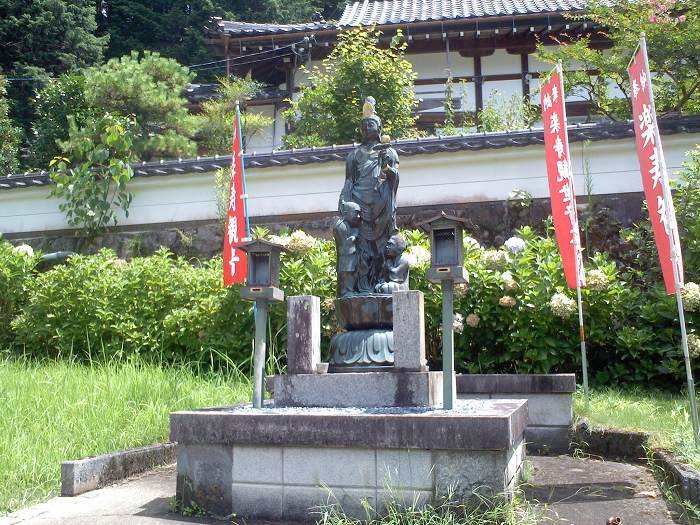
[382, 12]
[253, 29]
[403, 11]
[407, 147]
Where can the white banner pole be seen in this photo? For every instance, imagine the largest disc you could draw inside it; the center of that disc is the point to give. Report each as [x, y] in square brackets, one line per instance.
[577, 247]
[673, 233]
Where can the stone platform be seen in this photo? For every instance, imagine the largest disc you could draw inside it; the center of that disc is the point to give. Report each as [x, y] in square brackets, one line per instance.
[285, 463]
[549, 402]
[360, 389]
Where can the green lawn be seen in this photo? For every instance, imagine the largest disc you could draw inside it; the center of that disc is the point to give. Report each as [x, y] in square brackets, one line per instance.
[665, 416]
[57, 410]
[53, 411]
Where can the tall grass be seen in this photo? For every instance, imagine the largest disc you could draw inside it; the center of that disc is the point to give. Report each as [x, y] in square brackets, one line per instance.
[53, 411]
[483, 511]
[666, 416]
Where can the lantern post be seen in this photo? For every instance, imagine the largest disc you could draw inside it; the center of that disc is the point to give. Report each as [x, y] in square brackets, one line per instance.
[447, 268]
[262, 286]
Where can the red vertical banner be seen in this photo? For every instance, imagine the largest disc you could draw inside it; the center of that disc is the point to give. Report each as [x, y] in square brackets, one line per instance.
[561, 179]
[235, 260]
[653, 169]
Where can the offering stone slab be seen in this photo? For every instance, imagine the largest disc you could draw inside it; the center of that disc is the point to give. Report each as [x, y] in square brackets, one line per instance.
[289, 463]
[357, 389]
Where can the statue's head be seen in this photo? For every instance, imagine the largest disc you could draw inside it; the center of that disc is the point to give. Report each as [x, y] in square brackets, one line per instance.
[371, 126]
[351, 212]
[395, 246]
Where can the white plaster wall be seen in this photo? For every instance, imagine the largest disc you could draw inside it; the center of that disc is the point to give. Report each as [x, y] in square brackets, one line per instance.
[502, 90]
[500, 63]
[263, 141]
[458, 177]
[437, 65]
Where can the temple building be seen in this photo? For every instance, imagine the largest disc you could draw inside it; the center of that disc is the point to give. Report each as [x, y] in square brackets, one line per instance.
[486, 46]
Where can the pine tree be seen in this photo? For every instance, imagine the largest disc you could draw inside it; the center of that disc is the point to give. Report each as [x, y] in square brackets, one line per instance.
[42, 39]
[173, 28]
[10, 136]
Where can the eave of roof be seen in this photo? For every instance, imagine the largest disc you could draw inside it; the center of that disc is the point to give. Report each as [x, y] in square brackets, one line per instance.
[401, 12]
[383, 12]
[407, 147]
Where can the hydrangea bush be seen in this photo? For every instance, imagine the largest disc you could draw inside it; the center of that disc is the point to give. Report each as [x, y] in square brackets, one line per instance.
[515, 315]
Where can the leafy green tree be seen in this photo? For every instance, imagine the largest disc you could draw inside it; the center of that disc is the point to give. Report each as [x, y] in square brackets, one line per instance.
[280, 11]
[328, 110]
[10, 136]
[44, 38]
[502, 114]
[672, 29]
[149, 87]
[215, 122]
[91, 178]
[174, 29]
[60, 99]
[448, 126]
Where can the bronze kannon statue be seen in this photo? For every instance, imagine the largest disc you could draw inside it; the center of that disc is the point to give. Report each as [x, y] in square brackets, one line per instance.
[369, 250]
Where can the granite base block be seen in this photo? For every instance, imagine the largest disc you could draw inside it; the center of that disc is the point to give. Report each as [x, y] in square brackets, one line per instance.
[549, 401]
[357, 389]
[289, 464]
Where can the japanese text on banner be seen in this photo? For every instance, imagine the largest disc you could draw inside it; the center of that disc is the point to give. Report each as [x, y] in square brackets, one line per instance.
[235, 260]
[650, 153]
[561, 182]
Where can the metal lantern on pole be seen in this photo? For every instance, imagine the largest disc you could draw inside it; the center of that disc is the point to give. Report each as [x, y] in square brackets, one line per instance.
[262, 287]
[447, 268]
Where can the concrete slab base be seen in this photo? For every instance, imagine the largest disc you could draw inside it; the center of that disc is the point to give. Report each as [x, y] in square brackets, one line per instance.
[287, 464]
[358, 389]
[549, 402]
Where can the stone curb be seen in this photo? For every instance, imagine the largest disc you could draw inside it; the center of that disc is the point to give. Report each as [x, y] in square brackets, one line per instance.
[634, 446]
[516, 383]
[83, 475]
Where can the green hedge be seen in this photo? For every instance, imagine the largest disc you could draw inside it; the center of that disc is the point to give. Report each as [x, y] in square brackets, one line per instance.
[515, 315]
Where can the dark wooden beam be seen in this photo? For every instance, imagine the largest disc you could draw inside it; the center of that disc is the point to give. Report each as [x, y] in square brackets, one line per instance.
[525, 70]
[479, 85]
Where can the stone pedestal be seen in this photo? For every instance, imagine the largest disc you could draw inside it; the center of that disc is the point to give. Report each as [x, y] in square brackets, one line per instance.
[303, 334]
[368, 342]
[286, 464]
[360, 389]
[409, 331]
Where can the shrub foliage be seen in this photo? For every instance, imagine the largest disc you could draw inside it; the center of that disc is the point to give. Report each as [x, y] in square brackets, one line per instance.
[516, 314]
[329, 109]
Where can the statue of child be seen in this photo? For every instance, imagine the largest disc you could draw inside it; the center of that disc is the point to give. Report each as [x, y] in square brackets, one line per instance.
[395, 271]
[345, 234]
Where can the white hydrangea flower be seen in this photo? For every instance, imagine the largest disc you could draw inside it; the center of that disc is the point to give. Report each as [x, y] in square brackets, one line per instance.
[458, 323]
[24, 249]
[300, 242]
[693, 345]
[473, 320]
[461, 290]
[328, 304]
[282, 240]
[691, 297]
[507, 301]
[418, 256]
[597, 280]
[515, 244]
[562, 305]
[509, 284]
[495, 259]
[470, 243]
